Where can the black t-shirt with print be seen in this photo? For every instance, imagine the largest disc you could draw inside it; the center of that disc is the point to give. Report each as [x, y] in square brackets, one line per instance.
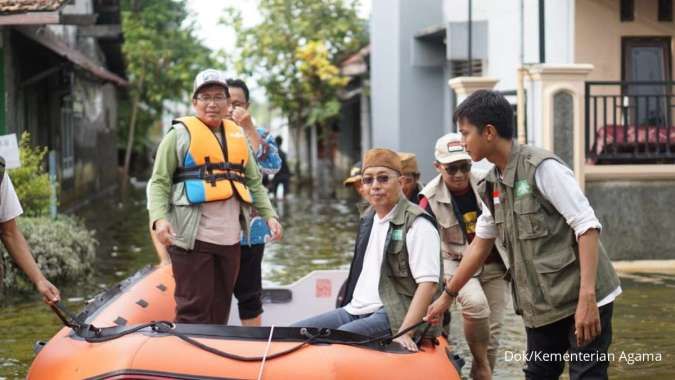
[466, 208]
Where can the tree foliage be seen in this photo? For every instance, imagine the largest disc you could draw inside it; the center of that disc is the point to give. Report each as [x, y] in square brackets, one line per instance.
[294, 51]
[162, 54]
[30, 180]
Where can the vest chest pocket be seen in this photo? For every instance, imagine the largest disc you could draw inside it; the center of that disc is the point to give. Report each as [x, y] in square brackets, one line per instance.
[499, 223]
[452, 240]
[529, 217]
[558, 275]
[396, 260]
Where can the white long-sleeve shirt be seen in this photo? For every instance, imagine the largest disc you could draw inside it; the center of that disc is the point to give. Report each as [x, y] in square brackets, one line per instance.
[557, 184]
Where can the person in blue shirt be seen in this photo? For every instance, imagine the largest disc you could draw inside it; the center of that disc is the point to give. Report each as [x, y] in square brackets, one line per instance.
[248, 288]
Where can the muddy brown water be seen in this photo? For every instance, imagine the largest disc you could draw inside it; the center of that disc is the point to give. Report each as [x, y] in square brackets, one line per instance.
[318, 234]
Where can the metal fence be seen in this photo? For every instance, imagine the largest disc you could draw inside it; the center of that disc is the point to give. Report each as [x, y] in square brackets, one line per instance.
[630, 122]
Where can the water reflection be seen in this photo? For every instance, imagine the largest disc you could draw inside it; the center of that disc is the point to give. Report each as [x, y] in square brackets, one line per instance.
[318, 234]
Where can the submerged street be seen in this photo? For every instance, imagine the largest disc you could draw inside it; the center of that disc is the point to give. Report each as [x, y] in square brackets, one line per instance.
[319, 234]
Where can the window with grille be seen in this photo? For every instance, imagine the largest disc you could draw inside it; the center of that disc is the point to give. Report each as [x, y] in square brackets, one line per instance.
[462, 68]
[67, 141]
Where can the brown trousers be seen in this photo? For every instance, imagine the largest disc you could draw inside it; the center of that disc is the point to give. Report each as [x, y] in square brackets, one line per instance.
[205, 278]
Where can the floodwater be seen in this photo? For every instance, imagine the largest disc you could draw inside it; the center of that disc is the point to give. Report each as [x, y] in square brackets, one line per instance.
[318, 234]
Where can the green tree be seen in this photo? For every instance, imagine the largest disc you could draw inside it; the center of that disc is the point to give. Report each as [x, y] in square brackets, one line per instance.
[163, 55]
[30, 180]
[293, 53]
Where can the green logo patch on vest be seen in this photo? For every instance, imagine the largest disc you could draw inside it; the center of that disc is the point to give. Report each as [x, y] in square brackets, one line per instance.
[397, 234]
[522, 188]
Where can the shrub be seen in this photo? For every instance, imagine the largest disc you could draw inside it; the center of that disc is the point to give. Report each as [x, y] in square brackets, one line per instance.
[63, 248]
[31, 181]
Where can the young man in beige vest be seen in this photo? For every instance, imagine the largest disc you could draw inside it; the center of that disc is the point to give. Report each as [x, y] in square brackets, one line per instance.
[453, 199]
[396, 268]
[563, 287]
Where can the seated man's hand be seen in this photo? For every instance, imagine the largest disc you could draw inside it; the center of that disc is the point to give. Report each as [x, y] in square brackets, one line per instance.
[49, 292]
[437, 308]
[406, 341]
[275, 228]
[164, 232]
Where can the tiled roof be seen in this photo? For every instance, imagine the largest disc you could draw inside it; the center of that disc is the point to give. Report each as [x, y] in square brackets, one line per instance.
[21, 6]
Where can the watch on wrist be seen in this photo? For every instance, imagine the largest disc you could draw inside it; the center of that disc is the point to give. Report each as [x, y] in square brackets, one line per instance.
[450, 293]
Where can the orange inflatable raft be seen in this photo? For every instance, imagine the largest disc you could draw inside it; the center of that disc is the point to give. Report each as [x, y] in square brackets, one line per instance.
[113, 339]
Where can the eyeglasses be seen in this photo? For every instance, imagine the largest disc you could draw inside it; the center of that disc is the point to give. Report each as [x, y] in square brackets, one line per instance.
[382, 179]
[451, 169]
[218, 99]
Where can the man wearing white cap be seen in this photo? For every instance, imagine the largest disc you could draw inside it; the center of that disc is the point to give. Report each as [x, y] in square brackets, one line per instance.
[452, 198]
[204, 182]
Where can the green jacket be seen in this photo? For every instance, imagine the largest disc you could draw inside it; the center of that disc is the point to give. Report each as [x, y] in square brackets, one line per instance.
[167, 200]
[543, 255]
[397, 285]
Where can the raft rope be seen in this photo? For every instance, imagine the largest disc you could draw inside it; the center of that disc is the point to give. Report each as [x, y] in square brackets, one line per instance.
[93, 334]
[267, 350]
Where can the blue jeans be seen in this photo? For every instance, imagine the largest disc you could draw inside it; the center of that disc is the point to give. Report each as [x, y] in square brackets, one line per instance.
[371, 325]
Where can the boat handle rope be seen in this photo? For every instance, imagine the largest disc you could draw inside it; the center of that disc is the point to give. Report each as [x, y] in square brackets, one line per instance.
[310, 338]
[93, 334]
[65, 316]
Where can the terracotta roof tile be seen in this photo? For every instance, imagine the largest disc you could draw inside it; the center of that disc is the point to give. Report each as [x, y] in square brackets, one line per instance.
[20, 6]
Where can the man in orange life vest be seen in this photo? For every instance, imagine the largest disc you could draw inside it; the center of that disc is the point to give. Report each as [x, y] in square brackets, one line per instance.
[204, 182]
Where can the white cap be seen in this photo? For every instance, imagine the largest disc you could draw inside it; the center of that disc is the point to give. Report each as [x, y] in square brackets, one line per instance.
[209, 76]
[449, 149]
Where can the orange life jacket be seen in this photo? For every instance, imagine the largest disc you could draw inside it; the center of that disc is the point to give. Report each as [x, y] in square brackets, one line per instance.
[213, 171]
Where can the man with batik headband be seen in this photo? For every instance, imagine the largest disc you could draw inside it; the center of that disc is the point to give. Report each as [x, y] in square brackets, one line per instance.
[397, 255]
[453, 199]
[204, 178]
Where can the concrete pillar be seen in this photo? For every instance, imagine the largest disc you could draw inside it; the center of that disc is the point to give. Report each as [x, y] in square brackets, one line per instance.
[465, 86]
[552, 85]
[314, 154]
[366, 133]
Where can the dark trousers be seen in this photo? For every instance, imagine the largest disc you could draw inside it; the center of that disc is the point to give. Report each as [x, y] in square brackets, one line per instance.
[587, 362]
[205, 280]
[248, 288]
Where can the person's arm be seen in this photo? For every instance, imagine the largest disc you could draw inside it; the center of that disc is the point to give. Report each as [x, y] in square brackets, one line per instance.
[558, 185]
[159, 188]
[473, 258]
[587, 316]
[421, 300]
[160, 249]
[424, 259]
[261, 201]
[241, 116]
[17, 247]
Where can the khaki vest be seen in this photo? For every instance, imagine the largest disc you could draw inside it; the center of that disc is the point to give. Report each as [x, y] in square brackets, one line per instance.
[397, 286]
[542, 250]
[453, 238]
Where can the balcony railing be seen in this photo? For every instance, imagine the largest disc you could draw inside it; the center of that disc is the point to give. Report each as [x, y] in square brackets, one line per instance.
[630, 122]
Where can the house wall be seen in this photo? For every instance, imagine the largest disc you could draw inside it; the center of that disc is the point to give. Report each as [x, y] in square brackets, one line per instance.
[636, 225]
[408, 100]
[601, 46]
[38, 108]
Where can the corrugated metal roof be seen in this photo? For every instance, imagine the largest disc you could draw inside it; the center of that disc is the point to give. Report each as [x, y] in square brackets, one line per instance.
[20, 6]
[55, 44]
